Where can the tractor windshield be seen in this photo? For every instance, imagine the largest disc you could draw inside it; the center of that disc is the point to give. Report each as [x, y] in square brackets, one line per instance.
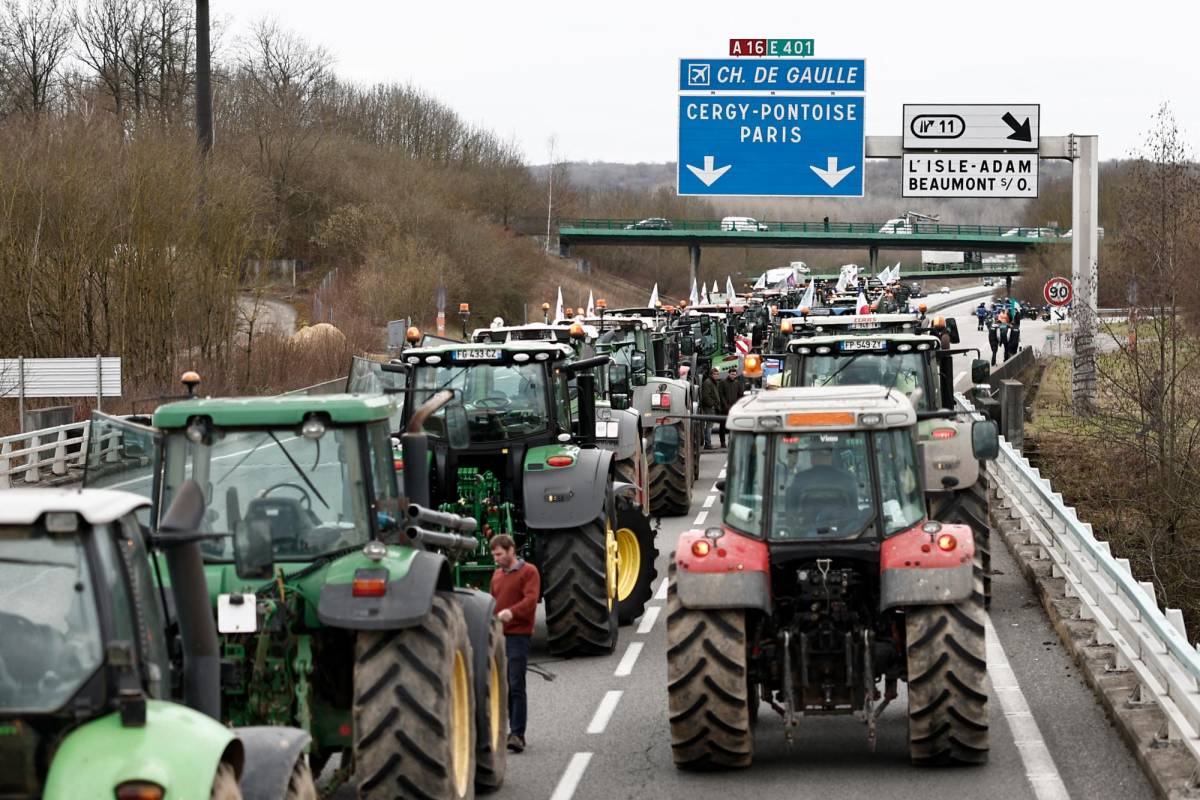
[48, 621]
[905, 372]
[308, 495]
[502, 401]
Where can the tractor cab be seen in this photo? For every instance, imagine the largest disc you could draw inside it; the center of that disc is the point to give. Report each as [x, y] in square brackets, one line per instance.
[900, 361]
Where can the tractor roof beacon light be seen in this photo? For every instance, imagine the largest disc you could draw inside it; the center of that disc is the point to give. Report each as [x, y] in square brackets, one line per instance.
[464, 311]
[752, 366]
[577, 331]
[413, 335]
[190, 379]
[546, 313]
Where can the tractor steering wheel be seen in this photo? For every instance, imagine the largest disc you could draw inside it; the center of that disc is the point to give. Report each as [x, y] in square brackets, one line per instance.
[305, 499]
[497, 402]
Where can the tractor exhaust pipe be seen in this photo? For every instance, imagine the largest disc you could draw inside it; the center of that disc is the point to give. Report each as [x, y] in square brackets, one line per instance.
[415, 446]
[197, 630]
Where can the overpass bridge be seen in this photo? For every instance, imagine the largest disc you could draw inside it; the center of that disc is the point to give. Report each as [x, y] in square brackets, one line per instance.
[873, 236]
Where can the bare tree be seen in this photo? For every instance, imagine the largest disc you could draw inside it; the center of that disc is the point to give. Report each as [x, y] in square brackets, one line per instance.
[35, 35]
[102, 28]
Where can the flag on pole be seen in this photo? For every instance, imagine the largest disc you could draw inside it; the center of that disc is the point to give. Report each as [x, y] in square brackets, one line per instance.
[895, 273]
[729, 292]
[703, 293]
[761, 283]
[885, 276]
[715, 291]
[694, 297]
[558, 306]
[653, 303]
[810, 295]
[861, 304]
[591, 306]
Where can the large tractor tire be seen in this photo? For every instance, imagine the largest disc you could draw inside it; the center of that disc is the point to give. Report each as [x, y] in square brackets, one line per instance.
[636, 571]
[225, 784]
[947, 691]
[671, 484]
[579, 584]
[970, 507]
[414, 709]
[301, 784]
[708, 694]
[491, 716]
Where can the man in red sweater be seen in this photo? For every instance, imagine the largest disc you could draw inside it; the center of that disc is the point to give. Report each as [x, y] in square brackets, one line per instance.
[516, 586]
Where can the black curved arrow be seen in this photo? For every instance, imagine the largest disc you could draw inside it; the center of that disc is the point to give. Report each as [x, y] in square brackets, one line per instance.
[1021, 132]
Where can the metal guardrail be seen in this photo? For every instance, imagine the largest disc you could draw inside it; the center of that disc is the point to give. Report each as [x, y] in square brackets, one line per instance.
[906, 229]
[1148, 640]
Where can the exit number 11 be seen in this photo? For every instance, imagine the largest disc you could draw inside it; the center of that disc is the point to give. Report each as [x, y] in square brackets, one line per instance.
[770, 47]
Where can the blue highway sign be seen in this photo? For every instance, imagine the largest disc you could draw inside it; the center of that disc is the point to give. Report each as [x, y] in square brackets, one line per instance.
[772, 74]
[775, 146]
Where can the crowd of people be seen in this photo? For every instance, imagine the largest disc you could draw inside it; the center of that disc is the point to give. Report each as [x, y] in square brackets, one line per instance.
[1004, 331]
[717, 396]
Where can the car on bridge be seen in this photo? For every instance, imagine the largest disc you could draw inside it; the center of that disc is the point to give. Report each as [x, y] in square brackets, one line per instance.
[1033, 233]
[742, 224]
[650, 224]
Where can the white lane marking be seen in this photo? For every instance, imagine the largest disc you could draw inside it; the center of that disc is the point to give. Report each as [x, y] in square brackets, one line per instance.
[1043, 775]
[700, 518]
[648, 619]
[605, 711]
[661, 594]
[721, 474]
[959, 377]
[571, 777]
[628, 660]
[708, 501]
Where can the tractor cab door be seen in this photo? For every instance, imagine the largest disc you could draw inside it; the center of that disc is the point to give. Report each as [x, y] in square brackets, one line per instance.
[372, 377]
[126, 455]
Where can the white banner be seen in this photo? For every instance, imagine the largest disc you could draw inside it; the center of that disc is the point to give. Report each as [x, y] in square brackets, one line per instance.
[61, 377]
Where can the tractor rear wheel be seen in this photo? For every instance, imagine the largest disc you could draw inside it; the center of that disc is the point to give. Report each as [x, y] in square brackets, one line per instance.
[636, 556]
[707, 690]
[225, 784]
[947, 691]
[414, 709]
[579, 584]
[301, 785]
[970, 507]
[491, 715]
[671, 484]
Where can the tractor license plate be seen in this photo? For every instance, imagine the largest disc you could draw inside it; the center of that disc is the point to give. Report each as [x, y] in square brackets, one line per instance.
[863, 344]
[237, 613]
[864, 326]
[476, 355]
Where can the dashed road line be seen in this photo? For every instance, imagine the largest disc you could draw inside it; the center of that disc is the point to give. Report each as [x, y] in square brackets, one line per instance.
[700, 518]
[661, 594]
[625, 667]
[604, 711]
[571, 777]
[1040, 769]
[648, 619]
[708, 501]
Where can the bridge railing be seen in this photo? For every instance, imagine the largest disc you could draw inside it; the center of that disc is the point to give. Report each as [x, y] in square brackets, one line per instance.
[1150, 641]
[820, 226]
[47, 454]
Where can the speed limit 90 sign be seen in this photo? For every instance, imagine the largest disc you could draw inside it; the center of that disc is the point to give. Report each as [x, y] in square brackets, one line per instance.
[1058, 292]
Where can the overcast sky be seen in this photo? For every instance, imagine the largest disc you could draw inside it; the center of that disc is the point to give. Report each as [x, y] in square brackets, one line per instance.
[601, 76]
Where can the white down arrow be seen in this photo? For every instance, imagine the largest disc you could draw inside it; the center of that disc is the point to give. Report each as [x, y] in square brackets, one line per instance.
[708, 176]
[831, 174]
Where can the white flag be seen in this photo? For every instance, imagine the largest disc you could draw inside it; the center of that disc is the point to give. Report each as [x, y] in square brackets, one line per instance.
[703, 293]
[761, 283]
[558, 306]
[810, 295]
[885, 276]
[653, 298]
[694, 297]
[729, 292]
[714, 291]
[895, 273]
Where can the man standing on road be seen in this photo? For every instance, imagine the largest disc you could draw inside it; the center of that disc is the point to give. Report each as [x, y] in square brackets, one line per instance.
[516, 586]
[981, 315]
[731, 392]
[710, 403]
[993, 338]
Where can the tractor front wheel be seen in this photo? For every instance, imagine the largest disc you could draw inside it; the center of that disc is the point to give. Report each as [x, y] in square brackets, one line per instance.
[579, 584]
[947, 691]
[414, 709]
[636, 571]
[707, 690]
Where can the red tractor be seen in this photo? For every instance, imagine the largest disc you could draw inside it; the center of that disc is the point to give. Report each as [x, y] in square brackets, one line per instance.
[825, 584]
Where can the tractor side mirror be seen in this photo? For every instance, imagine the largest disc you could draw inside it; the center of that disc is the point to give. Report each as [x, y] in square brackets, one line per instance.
[638, 361]
[666, 444]
[981, 371]
[985, 439]
[952, 329]
[687, 345]
[253, 557]
[618, 379]
[619, 401]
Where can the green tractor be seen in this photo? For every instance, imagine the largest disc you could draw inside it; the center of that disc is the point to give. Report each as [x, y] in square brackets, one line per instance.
[525, 450]
[886, 350]
[334, 595]
[90, 671]
[661, 400]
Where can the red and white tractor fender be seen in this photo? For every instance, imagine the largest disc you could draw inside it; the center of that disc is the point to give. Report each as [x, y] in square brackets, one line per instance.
[929, 564]
[720, 568]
